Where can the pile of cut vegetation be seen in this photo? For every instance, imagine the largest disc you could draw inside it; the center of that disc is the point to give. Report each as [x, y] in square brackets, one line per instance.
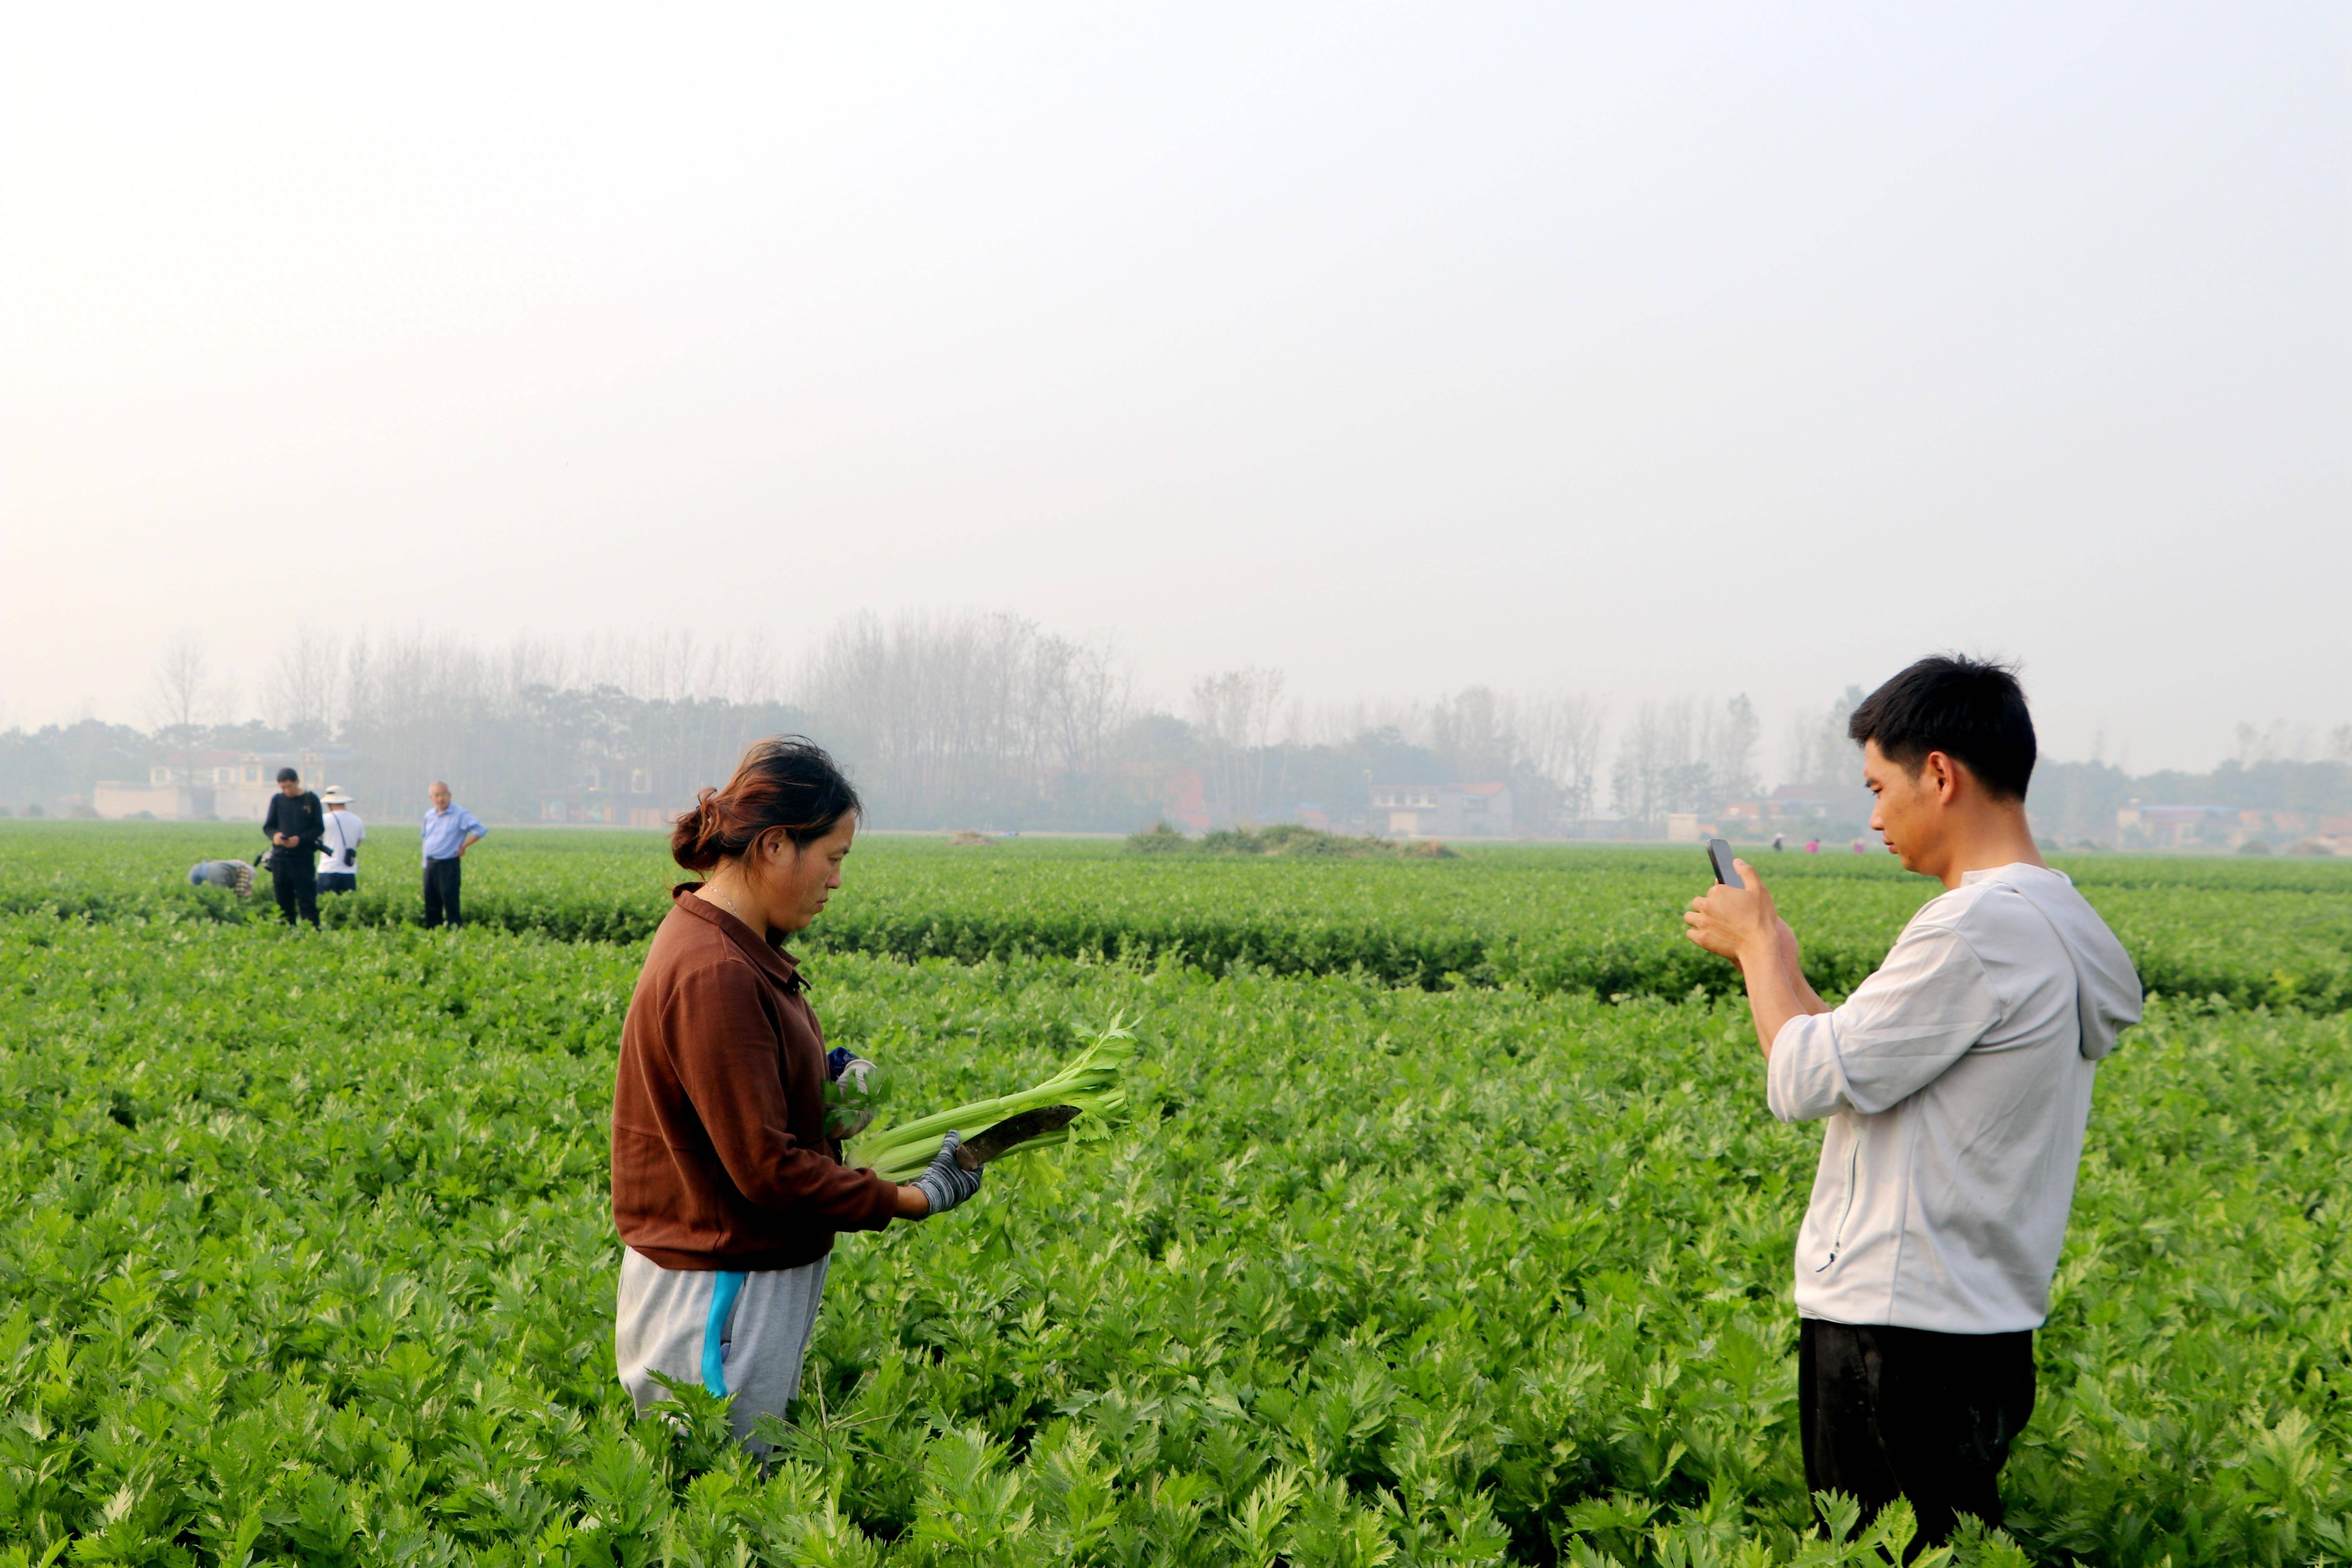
[1288, 839]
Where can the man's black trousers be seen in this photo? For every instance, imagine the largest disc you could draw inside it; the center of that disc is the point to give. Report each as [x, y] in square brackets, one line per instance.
[339, 881]
[297, 886]
[441, 882]
[1889, 1411]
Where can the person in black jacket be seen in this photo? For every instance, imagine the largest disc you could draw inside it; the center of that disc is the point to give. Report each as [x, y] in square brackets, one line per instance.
[295, 823]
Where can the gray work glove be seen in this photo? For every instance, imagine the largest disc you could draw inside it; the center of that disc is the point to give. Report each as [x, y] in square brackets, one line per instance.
[849, 1099]
[944, 1183]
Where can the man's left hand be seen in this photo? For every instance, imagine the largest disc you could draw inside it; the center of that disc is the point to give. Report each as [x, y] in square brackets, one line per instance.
[1742, 925]
[1738, 924]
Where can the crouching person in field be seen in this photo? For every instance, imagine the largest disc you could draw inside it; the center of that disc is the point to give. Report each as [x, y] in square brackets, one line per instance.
[233, 875]
[725, 1188]
[1956, 1083]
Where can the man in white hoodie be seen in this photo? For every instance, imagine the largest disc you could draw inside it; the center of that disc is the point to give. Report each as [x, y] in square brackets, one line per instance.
[1956, 1082]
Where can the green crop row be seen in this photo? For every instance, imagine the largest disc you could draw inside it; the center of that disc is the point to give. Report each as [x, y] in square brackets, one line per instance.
[311, 1262]
[1603, 921]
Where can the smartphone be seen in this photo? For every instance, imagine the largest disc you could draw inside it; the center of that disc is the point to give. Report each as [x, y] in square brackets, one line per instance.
[1719, 853]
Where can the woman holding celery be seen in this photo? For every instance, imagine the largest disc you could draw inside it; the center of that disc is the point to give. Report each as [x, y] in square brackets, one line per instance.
[727, 1186]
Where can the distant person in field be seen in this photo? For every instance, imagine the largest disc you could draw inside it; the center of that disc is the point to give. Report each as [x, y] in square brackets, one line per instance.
[233, 875]
[343, 834]
[294, 822]
[449, 832]
[1956, 1082]
[725, 1188]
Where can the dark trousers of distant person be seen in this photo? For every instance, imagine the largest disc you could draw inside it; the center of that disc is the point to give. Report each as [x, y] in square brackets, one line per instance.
[442, 878]
[339, 881]
[297, 887]
[1885, 1413]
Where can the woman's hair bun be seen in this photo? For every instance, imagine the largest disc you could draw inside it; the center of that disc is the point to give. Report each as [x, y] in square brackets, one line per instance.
[787, 785]
[689, 835]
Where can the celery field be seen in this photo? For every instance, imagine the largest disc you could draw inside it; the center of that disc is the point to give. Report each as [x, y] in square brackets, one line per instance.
[1447, 1225]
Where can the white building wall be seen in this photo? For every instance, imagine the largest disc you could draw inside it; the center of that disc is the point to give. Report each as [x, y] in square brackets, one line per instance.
[169, 802]
[243, 803]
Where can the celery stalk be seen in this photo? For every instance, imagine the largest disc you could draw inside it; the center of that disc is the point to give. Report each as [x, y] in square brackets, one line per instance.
[1089, 1081]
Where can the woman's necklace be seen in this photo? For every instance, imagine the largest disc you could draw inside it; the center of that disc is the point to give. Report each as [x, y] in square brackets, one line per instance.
[717, 893]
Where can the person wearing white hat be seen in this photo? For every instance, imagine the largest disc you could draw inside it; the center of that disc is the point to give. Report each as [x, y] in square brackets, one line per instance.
[339, 871]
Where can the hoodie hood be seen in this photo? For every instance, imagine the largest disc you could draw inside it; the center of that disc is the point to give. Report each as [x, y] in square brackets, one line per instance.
[2107, 986]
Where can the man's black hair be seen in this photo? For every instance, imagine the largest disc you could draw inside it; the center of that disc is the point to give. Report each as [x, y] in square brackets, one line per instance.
[1962, 707]
[287, 776]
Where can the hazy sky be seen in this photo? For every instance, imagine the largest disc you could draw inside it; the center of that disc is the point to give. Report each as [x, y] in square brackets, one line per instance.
[1642, 349]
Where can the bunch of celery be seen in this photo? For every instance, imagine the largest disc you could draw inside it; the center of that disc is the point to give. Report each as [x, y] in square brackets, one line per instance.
[1089, 1081]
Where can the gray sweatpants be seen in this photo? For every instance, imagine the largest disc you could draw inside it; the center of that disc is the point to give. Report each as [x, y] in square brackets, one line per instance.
[739, 1333]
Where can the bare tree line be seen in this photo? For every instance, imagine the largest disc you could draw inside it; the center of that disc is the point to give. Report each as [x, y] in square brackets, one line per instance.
[1233, 722]
[969, 717]
[185, 691]
[518, 722]
[1821, 756]
[1685, 755]
[318, 683]
[2281, 742]
[984, 711]
[1555, 738]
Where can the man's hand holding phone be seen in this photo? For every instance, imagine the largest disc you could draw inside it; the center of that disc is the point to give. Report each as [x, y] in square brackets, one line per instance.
[1738, 921]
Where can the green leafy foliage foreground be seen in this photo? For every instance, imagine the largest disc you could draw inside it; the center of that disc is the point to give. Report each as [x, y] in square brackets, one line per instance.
[1544, 918]
[309, 1262]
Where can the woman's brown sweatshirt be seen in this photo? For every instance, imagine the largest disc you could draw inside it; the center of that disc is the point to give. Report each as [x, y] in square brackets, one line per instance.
[719, 1157]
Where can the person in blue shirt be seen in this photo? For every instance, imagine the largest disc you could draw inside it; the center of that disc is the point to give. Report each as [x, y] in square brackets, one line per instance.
[449, 832]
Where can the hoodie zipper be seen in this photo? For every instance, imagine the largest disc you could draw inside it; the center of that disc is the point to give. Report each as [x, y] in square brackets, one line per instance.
[1837, 1238]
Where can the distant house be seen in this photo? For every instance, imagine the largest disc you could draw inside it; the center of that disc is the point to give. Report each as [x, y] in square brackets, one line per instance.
[1443, 811]
[115, 801]
[1795, 803]
[243, 784]
[211, 786]
[1178, 795]
[2177, 826]
[1187, 801]
[608, 794]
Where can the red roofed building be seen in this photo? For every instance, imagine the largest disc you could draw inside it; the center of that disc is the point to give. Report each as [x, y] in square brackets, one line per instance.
[1442, 811]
